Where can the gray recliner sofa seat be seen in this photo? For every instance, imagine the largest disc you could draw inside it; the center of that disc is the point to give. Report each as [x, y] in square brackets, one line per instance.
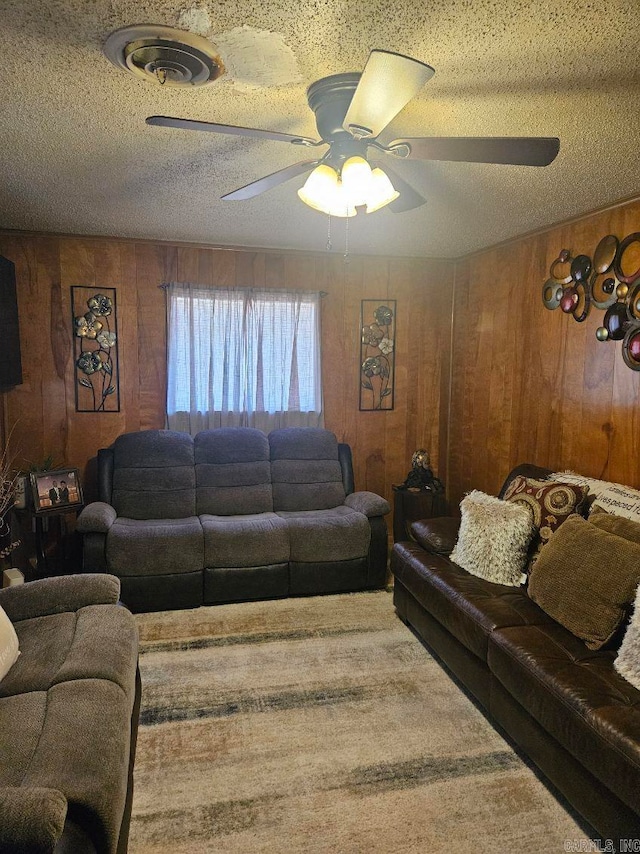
[68, 718]
[230, 515]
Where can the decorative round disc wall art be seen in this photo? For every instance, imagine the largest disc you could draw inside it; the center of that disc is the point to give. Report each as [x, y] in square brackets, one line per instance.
[610, 281]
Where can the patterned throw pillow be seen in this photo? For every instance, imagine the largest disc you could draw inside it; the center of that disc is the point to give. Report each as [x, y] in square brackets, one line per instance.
[493, 538]
[550, 504]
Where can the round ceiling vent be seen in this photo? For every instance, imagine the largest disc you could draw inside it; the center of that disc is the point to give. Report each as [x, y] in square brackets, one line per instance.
[164, 55]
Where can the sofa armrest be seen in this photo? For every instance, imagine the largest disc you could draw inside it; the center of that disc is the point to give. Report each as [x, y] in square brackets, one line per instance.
[368, 503]
[97, 517]
[57, 595]
[31, 819]
[438, 535]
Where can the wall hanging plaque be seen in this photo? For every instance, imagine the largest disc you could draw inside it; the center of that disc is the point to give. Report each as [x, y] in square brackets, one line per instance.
[611, 283]
[95, 349]
[377, 354]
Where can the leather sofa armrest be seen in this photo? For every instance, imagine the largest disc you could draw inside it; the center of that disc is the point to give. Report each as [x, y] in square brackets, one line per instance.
[58, 595]
[368, 503]
[438, 535]
[97, 517]
[31, 819]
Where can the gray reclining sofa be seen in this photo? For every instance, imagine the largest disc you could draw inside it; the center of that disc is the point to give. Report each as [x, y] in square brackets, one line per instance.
[232, 514]
[69, 711]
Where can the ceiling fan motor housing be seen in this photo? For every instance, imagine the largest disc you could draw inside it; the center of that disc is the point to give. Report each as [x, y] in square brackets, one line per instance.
[329, 98]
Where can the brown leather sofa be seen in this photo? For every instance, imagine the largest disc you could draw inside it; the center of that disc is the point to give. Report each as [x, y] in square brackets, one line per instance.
[563, 705]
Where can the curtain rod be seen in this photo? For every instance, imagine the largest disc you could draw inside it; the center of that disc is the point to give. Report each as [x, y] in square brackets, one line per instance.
[165, 285]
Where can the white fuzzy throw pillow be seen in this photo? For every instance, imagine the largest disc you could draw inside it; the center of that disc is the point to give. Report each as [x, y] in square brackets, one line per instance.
[627, 661]
[494, 538]
[9, 651]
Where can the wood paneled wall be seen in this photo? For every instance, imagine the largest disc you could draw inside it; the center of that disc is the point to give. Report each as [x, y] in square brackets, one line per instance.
[532, 385]
[382, 442]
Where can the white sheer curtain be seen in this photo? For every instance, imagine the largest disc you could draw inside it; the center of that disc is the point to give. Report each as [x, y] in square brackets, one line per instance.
[242, 358]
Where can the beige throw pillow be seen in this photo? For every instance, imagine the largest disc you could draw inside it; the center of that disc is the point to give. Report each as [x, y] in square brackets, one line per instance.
[586, 578]
[9, 651]
[493, 539]
[627, 661]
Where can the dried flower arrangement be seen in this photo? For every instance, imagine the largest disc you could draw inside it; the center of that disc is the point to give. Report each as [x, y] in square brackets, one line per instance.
[8, 482]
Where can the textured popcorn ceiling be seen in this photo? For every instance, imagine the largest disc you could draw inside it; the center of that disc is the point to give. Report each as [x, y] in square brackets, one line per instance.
[78, 157]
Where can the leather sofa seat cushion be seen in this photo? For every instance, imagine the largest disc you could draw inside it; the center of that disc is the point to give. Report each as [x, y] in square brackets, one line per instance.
[251, 540]
[233, 472]
[467, 606]
[155, 546]
[154, 475]
[576, 696]
[339, 534]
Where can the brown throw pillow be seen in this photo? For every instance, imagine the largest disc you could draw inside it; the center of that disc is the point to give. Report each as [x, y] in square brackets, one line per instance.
[586, 578]
[550, 502]
[618, 525]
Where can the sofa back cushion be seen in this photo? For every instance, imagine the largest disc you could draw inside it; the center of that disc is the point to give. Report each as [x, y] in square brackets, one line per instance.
[586, 579]
[305, 469]
[233, 474]
[154, 475]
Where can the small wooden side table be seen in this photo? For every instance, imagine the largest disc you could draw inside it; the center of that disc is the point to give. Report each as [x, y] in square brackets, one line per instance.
[410, 505]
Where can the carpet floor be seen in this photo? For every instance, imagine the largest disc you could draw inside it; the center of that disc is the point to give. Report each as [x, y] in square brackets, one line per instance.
[320, 725]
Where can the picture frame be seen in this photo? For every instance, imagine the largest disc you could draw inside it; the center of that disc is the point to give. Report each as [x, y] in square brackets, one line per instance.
[65, 483]
[377, 355]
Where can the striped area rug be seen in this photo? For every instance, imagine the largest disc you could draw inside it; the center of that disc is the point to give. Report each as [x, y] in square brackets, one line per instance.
[320, 725]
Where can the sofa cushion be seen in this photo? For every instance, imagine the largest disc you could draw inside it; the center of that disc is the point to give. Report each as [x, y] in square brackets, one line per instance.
[253, 540]
[338, 534]
[233, 472]
[91, 718]
[9, 645]
[467, 606]
[619, 525]
[550, 504]
[154, 475]
[577, 697]
[493, 538]
[155, 546]
[305, 469]
[585, 578]
[95, 642]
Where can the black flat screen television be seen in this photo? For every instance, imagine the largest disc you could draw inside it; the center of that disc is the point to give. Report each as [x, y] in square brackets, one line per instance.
[10, 359]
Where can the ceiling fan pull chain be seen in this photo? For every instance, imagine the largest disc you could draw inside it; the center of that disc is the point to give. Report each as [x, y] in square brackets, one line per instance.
[329, 245]
[346, 240]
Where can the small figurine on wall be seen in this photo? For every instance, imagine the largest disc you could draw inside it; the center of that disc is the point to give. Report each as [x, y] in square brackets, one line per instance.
[421, 477]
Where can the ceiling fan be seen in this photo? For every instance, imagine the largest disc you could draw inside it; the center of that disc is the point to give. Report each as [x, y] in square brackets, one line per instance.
[352, 110]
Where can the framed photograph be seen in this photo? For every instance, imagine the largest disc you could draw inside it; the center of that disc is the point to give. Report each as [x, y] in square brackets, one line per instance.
[55, 490]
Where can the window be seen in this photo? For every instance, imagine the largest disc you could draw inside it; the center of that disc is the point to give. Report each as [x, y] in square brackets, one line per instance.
[242, 358]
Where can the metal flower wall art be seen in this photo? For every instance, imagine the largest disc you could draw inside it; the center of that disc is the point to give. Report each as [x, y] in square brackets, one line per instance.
[610, 281]
[95, 349]
[377, 354]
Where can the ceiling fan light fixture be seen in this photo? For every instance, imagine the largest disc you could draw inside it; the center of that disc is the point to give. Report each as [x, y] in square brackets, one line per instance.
[324, 192]
[381, 191]
[356, 180]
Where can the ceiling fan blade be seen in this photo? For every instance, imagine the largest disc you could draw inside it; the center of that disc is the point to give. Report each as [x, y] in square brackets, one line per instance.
[518, 151]
[270, 181]
[212, 127]
[388, 82]
[409, 198]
